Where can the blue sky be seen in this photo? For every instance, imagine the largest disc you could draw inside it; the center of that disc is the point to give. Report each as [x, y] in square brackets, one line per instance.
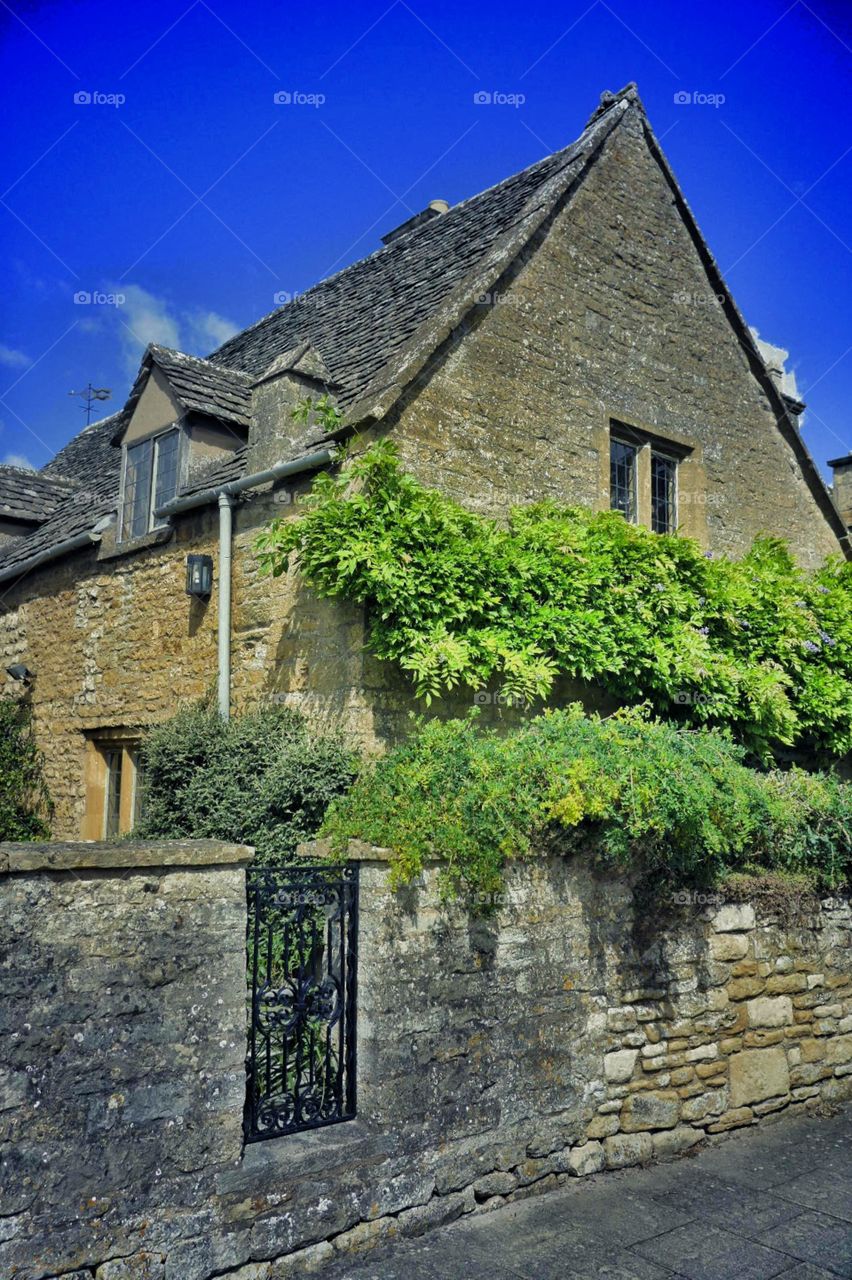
[198, 198]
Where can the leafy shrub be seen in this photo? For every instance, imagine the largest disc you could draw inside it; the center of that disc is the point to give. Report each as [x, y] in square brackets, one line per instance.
[25, 806]
[257, 779]
[754, 645]
[672, 803]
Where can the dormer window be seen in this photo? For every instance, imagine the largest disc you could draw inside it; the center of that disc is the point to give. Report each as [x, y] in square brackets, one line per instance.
[150, 480]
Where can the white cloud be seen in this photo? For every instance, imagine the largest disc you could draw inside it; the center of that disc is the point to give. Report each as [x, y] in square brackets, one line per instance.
[18, 460]
[209, 330]
[143, 317]
[14, 359]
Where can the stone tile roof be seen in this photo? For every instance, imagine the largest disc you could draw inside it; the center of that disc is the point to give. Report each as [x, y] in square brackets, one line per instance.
[348, 331]
[360, 317]
[29, 495]
[90, 469]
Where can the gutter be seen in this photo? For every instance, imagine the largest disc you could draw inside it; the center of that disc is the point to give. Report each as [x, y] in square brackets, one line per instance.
[23, 567]
[310, 462]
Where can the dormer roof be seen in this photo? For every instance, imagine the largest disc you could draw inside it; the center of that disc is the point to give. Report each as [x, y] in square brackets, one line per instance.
[303, 359]
[198, 386]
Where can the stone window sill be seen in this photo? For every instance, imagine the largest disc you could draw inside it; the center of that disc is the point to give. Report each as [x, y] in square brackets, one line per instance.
[111, 549]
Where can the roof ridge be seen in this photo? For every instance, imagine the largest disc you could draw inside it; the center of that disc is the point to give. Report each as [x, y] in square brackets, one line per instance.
[404, 243]
[32, 471]
[380, 393]
[154, 347]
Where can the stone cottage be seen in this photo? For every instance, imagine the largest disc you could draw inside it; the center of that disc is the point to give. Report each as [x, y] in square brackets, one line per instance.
[564, 334]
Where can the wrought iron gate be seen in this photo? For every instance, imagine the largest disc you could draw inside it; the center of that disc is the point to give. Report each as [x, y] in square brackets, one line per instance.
[302, 970]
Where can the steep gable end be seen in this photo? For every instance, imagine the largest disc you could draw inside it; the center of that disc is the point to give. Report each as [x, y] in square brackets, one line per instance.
[611, 321]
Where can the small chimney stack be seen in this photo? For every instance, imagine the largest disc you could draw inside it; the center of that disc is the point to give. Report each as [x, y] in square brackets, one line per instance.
[775, 359]
[434, 209]
[842, 487]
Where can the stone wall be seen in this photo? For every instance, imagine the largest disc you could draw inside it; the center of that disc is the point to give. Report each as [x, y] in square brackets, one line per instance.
[566, 1032]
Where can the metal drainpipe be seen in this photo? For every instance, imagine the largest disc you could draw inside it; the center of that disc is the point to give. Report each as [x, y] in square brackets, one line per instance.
[225, 533]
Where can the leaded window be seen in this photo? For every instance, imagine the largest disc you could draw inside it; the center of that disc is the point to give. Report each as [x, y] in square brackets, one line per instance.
[150, 480]
[622, 478]
[113, 759]
[663, 493]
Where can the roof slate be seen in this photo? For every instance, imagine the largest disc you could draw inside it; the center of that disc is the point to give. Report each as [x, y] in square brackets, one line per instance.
[90, 467]
[29, 496]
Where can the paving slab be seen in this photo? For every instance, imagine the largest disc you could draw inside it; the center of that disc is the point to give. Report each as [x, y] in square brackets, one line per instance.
[760, 1203]
[816, 1237]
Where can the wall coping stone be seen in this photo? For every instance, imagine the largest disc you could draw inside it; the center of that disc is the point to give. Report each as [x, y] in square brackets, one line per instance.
[71, 855]
[361, 851]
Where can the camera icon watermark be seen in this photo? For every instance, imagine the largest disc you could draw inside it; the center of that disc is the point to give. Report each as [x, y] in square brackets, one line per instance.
[95, 298]
[494, 298]
[700, 299]
[683, 98]
[699, 499]
[484, 698]
[497, 98]
[688, 698]
[94, 98]
[283, 297]
[288, 498]
[295, 98]
[697, 898]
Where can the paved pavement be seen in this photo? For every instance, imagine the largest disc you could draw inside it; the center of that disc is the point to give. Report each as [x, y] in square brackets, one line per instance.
[770, 1202]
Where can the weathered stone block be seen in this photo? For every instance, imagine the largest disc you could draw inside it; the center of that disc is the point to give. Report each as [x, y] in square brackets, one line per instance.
[701, 1053]
[728, 946]
[838, 1049]
[621, 1019]
[494, 1184]
[645, 1111]
[733, 917]
[770, 1011]
[756, 1074]
[711, 1103]
[142, 1266]
[786, 983]
[603, 1126]
[627, 1148]
[672, 1142]
[743, 988]
[589, 1158]
[732, 1120]
[618, 1066]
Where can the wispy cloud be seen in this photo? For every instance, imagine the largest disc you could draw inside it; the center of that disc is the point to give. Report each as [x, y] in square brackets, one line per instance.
[18, 460]
[143, 317]
[208, 330]
[12, 358]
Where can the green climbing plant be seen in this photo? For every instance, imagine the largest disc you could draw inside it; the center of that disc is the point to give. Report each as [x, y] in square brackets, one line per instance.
[756, 645]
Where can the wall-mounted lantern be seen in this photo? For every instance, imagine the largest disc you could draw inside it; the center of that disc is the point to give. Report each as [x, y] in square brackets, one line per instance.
[21, 673]
[199, 576]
